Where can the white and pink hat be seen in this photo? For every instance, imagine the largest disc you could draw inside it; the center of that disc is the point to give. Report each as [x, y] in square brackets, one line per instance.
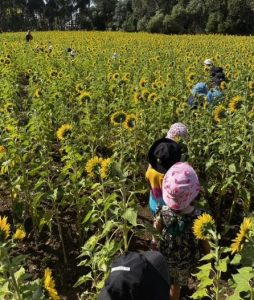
[180, 186]
[177, 130]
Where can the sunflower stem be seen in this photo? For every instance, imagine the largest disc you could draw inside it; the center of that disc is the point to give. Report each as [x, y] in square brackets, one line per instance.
[13, 279]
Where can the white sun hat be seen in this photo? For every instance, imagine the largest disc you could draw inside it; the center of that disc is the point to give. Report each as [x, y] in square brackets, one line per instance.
[208, 62]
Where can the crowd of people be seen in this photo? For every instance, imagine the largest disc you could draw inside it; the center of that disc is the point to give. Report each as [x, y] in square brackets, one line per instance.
[160, 274]
[174, 185]
[211, 91]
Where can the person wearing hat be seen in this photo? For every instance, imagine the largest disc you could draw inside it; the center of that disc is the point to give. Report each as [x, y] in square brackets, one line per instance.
[178, 132]
[199, 92]
[137, 276]
[178, 244]
[163, 154]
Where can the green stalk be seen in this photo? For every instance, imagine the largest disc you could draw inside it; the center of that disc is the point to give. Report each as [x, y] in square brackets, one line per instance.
[125, 226]
[60, 232]
[14, 281]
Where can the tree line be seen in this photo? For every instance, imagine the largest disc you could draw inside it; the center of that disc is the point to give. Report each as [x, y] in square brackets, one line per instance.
[160, 16]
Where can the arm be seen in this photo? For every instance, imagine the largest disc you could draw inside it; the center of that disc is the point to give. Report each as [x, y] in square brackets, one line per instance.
[157, 224]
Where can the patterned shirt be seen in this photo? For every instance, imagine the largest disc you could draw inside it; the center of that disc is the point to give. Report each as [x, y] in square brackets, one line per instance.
[178, 243]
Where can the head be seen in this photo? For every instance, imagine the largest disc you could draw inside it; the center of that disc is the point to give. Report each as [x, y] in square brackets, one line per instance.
[208, 63]
[136, 276]
[176, 131]
[180, 186]
[163, 154]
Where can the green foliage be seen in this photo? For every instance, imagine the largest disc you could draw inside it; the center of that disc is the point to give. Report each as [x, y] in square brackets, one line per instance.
[191, 16]
[15, 282]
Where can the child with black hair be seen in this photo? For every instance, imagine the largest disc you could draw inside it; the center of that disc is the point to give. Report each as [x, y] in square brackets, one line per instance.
[163, 154]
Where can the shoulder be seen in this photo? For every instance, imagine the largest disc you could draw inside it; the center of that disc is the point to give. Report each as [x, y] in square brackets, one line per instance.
[152, 173]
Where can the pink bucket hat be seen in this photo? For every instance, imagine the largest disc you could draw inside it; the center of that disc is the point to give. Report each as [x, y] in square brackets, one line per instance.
[180, 186]
[177, 130]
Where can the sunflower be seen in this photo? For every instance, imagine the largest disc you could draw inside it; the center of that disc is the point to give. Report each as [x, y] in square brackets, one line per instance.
[218, 113]
[115, 76]
[223, 85]
[241, 235]
[2, 149]
[109, 76]
[250, 113]
[145, 93]
[154, 85]
[98, 166]
[118, 117]
[79, 88]
[191, 76]
[173, 98]
[4, 228]
[63, 130]
[143, 82]
[53, 73]
[113, 89]
[19, 234]
[137, 97]
[152, 97]
[169, 76]
[38, 93]
[84, 97]
[227, 67]
[49, 284]
[126, 77]
[130, 122]
[190, 69]
[105, 165]
[56, 95]
[251, 85]
[235, 103]
[202, 225]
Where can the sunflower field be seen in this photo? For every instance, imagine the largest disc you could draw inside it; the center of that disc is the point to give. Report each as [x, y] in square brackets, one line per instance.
[75, 129]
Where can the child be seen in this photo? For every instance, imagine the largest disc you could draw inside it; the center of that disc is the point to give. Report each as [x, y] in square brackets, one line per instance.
[178, 132]
[29, 36]
[162, 155]
[178, 244]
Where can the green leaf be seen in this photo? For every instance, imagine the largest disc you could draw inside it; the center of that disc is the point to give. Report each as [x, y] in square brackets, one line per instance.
[130, 215]
[236, 260]
[107, 228]
[19, 274]
[222, 265]
[83, 279]
[232, 168]
[208, 256]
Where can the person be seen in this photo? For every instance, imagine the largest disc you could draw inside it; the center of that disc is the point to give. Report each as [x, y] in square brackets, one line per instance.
[29, 36]
[137, 276]
[162, 155]
[214, 96]
[217, 74]
[178, 132]
[175, 221]
[73, 53]
[198, 93]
